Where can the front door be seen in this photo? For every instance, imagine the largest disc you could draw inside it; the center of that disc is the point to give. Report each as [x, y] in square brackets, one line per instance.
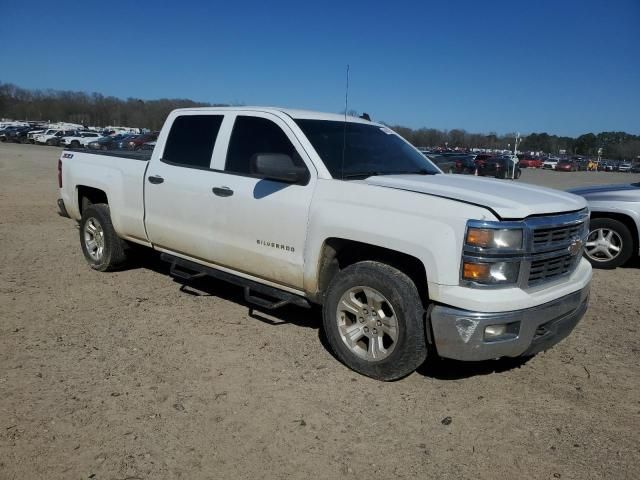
[261, 225]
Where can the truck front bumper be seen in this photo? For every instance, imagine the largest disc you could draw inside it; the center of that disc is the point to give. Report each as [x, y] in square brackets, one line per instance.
[463, 335]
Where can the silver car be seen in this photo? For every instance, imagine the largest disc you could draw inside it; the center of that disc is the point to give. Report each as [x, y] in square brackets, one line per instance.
[615, 223]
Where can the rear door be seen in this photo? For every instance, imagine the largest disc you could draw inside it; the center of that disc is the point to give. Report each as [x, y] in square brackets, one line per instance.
[179, 203]
[260, 225]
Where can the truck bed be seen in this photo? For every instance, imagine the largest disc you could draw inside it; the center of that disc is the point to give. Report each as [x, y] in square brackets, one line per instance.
[114, 173]
[144, 155]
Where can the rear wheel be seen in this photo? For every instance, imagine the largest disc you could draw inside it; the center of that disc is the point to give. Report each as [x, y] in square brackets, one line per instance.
[75, 144]
[374, 321]
[101, 246]
[609, 243]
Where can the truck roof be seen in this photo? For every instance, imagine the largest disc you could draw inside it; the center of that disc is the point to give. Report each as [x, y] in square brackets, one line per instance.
[293, 113]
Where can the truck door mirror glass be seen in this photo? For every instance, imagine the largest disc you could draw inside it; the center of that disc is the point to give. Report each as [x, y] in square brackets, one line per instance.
[278, 166]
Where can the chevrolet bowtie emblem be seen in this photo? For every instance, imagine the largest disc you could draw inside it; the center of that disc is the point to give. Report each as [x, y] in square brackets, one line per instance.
[576, 247]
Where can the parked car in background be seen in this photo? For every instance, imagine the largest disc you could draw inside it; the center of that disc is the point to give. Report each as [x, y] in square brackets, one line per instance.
[447, 162]
[530, 162]
[79, 139]
[635, 168]
[137, 141]
[32, 134]
[500, 167]
[614, 228]
[624, 167]
[550, 163]
[52, 137]
[465, 165]
[106, 143]
[14, 134]
[123, 143]
[567, 166]
[148, 146]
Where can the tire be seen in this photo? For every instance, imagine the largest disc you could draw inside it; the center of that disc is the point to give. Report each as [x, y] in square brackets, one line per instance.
[49, 142]
[104, 148]
[397, 305]
[96, 226]
[611, 234]
[75, 144]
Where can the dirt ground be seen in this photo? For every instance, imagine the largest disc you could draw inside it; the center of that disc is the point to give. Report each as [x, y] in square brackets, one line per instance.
[126, 376]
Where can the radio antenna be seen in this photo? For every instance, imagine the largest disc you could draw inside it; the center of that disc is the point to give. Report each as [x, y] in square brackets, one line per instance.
[344, 131]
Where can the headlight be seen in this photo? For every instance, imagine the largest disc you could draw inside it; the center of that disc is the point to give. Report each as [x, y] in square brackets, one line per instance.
[495, 273]
[492, 253]
[507, 238]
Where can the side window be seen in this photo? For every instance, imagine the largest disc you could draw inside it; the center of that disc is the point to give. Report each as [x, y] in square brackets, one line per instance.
[254, 135]
[191, 140]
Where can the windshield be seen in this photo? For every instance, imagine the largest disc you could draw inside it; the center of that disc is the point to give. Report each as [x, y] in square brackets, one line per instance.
[368, 149]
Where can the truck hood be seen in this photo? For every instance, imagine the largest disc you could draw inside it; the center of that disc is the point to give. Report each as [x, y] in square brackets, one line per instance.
[506, 198]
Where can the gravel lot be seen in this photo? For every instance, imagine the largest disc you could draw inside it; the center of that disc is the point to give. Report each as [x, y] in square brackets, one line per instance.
[125, 376]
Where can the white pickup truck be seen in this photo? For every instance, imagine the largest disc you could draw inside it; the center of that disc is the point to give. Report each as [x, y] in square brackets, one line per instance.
[310, 208]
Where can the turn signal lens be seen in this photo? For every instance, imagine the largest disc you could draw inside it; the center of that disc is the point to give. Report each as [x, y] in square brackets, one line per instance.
[479, 237]
[476, 271]
[491, 273]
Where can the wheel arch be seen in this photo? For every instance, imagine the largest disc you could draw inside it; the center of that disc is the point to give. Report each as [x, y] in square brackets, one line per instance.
[625, 219]
[338, 253]
[90, 195]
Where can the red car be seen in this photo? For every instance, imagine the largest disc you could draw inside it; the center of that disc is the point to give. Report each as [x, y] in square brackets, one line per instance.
[567, 166]
[530, 162]
[137, 142]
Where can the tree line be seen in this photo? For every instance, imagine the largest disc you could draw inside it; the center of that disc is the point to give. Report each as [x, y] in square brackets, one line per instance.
[92, 109]
[95, 109]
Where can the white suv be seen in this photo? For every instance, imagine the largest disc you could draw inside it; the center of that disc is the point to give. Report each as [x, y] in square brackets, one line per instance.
[79, 139]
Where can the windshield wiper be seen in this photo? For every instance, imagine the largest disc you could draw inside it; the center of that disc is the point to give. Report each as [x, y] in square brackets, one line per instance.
[361, 175]
[421, 171]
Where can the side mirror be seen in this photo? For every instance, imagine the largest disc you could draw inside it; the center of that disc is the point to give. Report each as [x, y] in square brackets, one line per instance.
[279, 167]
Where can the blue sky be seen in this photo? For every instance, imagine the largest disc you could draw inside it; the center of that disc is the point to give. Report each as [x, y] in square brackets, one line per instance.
[564, 66]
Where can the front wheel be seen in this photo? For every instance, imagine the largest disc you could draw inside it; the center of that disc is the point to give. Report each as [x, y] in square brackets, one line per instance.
[609, 243]
[101, 246]
[373, 319]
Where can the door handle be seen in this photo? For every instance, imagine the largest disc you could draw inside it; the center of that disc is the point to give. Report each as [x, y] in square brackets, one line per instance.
[222, 191]
[155, 179]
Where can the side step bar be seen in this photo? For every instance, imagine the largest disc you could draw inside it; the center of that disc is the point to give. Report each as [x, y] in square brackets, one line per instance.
[186, 270]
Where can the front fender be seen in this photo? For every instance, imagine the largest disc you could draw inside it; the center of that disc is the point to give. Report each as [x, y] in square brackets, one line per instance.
[428, 228]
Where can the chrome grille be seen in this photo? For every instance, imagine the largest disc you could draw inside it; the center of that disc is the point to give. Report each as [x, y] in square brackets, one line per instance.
[551, 238]
[543, 237]
[548, 269]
